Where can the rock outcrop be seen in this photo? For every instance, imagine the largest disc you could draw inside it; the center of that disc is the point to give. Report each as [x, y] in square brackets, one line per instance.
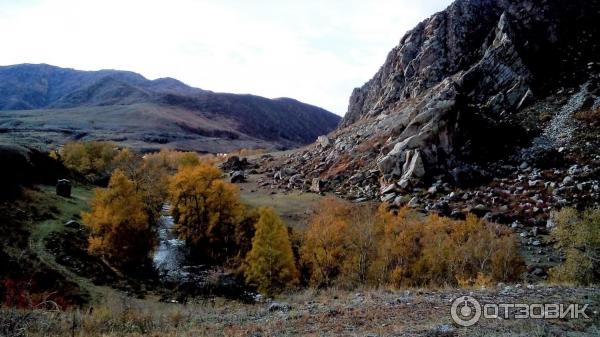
[483, 91]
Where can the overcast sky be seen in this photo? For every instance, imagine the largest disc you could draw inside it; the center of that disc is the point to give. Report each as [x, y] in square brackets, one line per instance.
[316, 51]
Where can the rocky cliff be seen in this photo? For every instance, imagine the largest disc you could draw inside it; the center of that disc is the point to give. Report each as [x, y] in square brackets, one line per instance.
[486, 106]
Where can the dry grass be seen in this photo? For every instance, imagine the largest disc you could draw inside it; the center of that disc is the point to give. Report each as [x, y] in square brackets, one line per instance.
[589, 116]
[330, 312]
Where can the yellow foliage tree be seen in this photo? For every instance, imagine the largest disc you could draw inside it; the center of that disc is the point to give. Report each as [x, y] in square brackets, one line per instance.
[150, 178]
[207, 211]
[92, 159]
[324, 248]
[577, 234]
[270, 262]
[356, 244]
[119, 228]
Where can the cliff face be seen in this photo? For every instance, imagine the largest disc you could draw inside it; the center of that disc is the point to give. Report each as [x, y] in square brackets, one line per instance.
[480, 90]
[487, 46]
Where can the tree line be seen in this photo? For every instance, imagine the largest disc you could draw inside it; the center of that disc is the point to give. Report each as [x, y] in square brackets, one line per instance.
[344, 244]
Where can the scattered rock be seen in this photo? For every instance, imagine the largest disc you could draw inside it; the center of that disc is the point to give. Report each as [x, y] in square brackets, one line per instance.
[237, 177]
[279, 306]
[323, 141]
[316, 185]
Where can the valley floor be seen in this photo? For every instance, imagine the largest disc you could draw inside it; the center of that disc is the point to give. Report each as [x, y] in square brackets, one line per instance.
[314, 313]
[115, 310]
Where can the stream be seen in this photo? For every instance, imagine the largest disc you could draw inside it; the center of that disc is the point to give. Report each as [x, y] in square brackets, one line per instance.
[169, 257]
[170, 260]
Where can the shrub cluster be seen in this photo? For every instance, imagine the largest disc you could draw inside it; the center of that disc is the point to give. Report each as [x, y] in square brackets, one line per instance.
[353, 245]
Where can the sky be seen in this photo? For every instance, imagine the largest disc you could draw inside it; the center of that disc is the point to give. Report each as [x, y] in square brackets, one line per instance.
[315, 51]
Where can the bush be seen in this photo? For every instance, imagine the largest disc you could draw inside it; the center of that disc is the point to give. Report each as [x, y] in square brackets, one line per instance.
[578, 235]
[173, 159]
[352, 245]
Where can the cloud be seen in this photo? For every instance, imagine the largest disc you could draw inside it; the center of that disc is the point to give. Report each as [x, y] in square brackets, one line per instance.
[314, 51]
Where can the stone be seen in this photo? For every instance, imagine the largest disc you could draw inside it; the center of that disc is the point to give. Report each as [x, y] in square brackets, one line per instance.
[444, 330]
[388, 197]
[316, 185]
[235, 163]
[413, 167]
[414, 202]
[389, 189]
[323, 141]
[296, 178]
[63, 188]
[73, 224]
[237, 177]
[279, 306]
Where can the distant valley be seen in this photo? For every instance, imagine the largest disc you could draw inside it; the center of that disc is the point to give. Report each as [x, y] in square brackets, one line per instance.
[44, 105]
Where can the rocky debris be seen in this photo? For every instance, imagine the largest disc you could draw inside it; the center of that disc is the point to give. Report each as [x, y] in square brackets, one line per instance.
[63, 188]
[475, 125]
[279, 306]
[237, 177]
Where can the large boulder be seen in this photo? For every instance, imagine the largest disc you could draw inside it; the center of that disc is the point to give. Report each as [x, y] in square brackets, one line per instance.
[63, 188]
[316, 185]
[323, 141]
[235, 163]
[237, 177]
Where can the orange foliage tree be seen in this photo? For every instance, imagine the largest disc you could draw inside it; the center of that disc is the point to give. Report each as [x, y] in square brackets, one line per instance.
[357, 244]
[207, 211]
[325, 245]
[150, 178]
[118, 223]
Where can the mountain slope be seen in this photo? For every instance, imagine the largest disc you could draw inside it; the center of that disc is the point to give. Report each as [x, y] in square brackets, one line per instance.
[47, 104]
[497, 97]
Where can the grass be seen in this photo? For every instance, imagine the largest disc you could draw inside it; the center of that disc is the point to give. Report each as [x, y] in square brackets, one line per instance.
[66, 209]
[294, 207]
[330, 312]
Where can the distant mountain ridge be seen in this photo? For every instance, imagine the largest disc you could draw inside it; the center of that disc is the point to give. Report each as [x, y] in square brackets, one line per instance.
[70, 100]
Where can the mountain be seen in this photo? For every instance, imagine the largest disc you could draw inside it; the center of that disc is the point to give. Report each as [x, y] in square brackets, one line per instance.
[43, 104]
[490, 106]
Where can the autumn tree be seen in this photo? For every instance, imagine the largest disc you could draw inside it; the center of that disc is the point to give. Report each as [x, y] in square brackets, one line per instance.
[325, 244]
[350, 245]
[270, 262]
[92, 159]
[150, 178]
[207, 211]
[577, 234]
[118, 223]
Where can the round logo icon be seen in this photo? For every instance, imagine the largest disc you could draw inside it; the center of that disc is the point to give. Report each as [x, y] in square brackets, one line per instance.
[466, 311]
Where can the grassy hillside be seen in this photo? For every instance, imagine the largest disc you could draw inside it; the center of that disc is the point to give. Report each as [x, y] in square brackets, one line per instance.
[44, 105]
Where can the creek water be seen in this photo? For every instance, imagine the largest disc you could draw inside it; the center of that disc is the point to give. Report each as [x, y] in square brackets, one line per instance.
[170, 254]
